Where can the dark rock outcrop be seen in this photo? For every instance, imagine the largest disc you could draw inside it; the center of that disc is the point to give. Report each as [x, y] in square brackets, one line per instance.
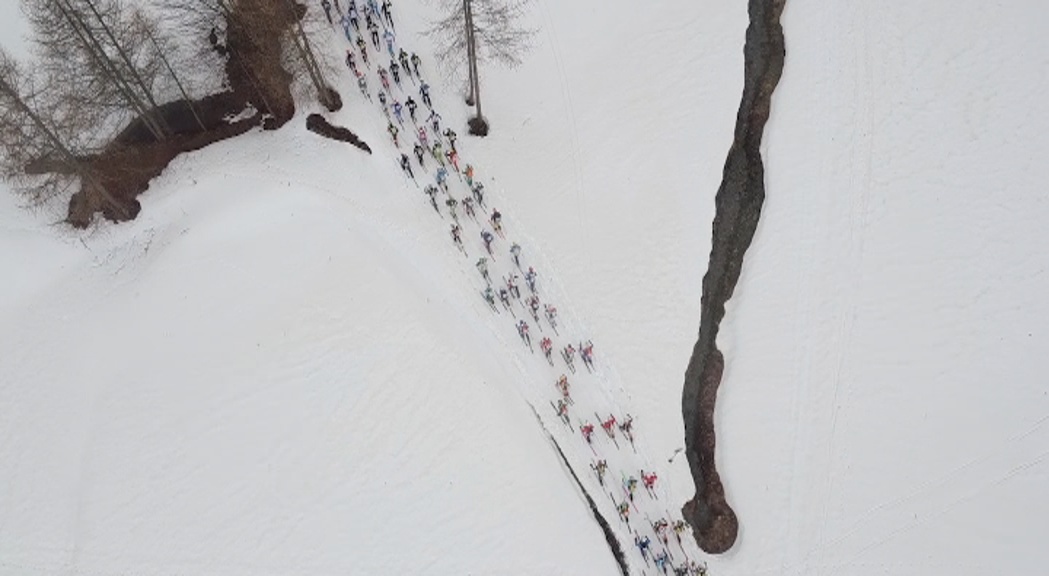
[738, 207]
[319, 125]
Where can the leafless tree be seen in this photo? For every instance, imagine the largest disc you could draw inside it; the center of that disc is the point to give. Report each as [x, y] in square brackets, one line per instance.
[33, 129]
[474, 32]
[305, 57]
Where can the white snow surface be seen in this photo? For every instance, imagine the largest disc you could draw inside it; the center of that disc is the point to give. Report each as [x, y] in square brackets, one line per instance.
[283, 365]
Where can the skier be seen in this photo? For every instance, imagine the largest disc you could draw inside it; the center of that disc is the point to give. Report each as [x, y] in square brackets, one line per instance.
[437, 154]
[515, 251]
[551, 316]
[599, 468]
[482, 267]
[451, 136]
[649, 480]
[395, 71]
[419, 151]
[627, 428]
[497, 221]
[431, 191]
[456, 231]
[451, 203]
[562, 406]
[530, 277]
[642, 545]
[681, 570]
[660, 528]
[422, 137]
[587, 353]
[487, 237]
[363, 48]
[489, 296]
[382, 102]
[533, 307]
[435, 121]
[469, 173]
[522, 331]
[351, 62]
[453, 158]
[569, 355]
[504, 298]
[327, 9]
[424, 93]
[624, 511]
[415, 64]
[442, 178]
[406, 165]
[393, 133]
[389, 38]
[679, 528]
[478, 192]
[468, 207]
[374, 29]
[387, 13]
[410, 103]
[362, 84]
[402, 57]
[661, 560]
[588, 432]
[384, 77]
[511, 285]
[547, 346]
[562, 385]
[630, 485]
[610, 426]
[398, 112]
[344, 21]
[354, 17]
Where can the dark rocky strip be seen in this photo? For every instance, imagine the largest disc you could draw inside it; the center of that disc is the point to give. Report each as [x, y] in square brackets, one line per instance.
[319, 125]
[738, 208]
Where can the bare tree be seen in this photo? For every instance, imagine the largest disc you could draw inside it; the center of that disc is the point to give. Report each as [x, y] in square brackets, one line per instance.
[31, 131]
[475, 32]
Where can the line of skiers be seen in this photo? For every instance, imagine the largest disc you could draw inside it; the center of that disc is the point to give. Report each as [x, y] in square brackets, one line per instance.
[404, 65]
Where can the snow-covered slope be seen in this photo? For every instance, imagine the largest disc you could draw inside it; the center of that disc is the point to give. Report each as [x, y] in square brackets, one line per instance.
[282, 366]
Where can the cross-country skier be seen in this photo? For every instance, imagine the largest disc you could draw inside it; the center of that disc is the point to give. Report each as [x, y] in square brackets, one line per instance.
[649, 480]
[487, 237]
[562, 385]
[504, 298]
[363, 46]
[681, 570]
[437, 153]
[469, 172]
[679, 527]
[588, 432]
[562, 408]
[406, 165]
[610, 426]
[402, 57]
[453, 158]
[431, 191]
[423, 139]
[384, 77]
[569, 355]
[382, 102]
[660, 528]
[435, 121]
[661, 560]
[497, 221]
[642, 545]
[551, 317]
[624, 511]
[410, 103]
[451, 136]
[424, 92]
[478, 192]
[600, 467]
[515, 251]
[351, 62]
[547, 346]
[511, 285]
[419, 152]
[630, 485]
[347, 27]
[468, 207]
[522, 330]
[451, 203]
[362, 84]
[533, 307]
[395, 71]
[393, 134]
[482, 267]
[415, 63]
[442, 178]
[586, 352]
[489, 296]
[354, 16]
[530, 277]
[387, 13]
[398, 112]
[456, 231]
[697, 569]
[388, 37]
[374, 29]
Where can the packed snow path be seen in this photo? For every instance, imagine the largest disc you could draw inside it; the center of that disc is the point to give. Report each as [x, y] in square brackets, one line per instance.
[592, 393]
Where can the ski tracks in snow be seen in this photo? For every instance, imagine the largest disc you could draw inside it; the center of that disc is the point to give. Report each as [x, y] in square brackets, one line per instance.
[594, 392]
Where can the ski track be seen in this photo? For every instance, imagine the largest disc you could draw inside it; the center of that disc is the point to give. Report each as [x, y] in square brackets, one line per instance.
[592, 392]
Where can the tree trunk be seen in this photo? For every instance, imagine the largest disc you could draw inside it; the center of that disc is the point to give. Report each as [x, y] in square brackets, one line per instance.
[467, 24]
[475, 82]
